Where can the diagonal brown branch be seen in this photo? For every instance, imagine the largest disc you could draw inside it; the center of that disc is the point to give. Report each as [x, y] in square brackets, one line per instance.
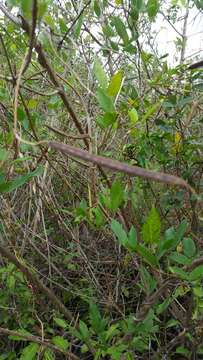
[121, 167]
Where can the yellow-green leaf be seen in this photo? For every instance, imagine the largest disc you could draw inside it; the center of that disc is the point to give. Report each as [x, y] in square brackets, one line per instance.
[115, 84]
[152, 227]
[133, 115]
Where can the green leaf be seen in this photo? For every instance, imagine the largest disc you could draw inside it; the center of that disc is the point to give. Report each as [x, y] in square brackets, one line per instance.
[147, 256]
[121, 29]
[189, 247]
[163, 306]
[78, 26]
[97, 9]
[100, 74]
[106, 120]
[48, 355]
[151, 111]
[179, 258]
[138, 4]
[196, 274]
[115, 84]
[84, 330]
[108, 31]
[148, 282]
[117, 195]
[30, 352]
[61, 322]
[105, 101]
[120, 233]
[132, 239]
[62, 343]
[152, 8]
[98, 324]
[178, 271]
[3, 155]
[152, 228]
[133, 115]
[19, 337]
[172, 238]
[9, 186]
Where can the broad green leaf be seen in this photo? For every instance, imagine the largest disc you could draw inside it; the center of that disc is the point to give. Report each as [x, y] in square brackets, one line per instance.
[49, 21]
[106, 120]
[119, 232]
[121, 29]
[163, 306]
[118, 2]
[152, 228]
[146, 255]
[198, 291]
[133, 115]
[179, 258]
[138, 4]
[100, 74]
[9, 186]
[61, 322]
[84, 330]
[97, 9]
[197, 273]
[63, 26]
[152, 8]
[48, 355]
[172, 238]
[3, 155]
[115, 84]
[60, 342]
[96, 320]
[117, 195]
[105, 101]
[189, 247]
[78, 26]
[30, 352]
[132, 239]
[178, 271]
[26, 6]
[108, 31]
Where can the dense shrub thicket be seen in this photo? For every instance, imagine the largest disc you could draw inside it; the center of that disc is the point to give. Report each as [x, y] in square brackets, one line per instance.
[101, 164]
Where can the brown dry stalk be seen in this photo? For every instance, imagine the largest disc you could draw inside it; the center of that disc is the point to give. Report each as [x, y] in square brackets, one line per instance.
[120, 166]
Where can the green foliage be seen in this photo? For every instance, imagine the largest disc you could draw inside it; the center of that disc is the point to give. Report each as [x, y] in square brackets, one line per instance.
[123, 254]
